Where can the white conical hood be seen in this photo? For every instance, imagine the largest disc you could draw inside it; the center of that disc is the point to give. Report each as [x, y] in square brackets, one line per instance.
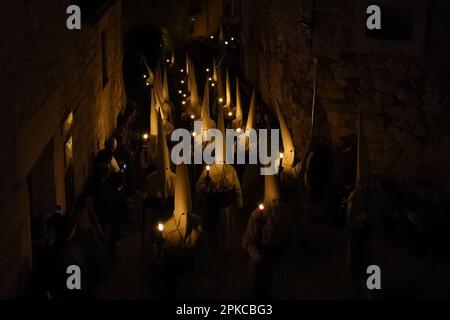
[251, 113]
[220, 90]
[172, 59]
[271, 189]
[221, 151]
[239, 113]
[221, 35]
[153, 116]
[194, 90]
[164, 171]
[188, 64]
[363, 163]
[165, 93]
[205, 116]
[183, 202]
[228, 100]
[288, 144]
[215, 72]
[151, 75]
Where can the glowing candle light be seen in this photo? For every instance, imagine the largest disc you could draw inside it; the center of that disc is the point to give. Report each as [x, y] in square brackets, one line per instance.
[147, 84]
[208, 169]
[193, 117]
[238, 130]
[230, 114]
[168, 60]
[281, 159]
[183, 103]
[160, 227]
[261, 207]
[182, 70]
[145, 136]
[232, 39]
[145, 76]
[180, 91]
[182, 81]
[212, 37]
[184, 95]
[207, 69]
[210, 79]
[221, 100]
[194, 134]
[226, 43]
[212, 85]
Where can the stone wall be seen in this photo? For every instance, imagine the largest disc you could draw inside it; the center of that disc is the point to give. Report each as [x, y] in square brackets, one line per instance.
[48, 71]
[403, 97]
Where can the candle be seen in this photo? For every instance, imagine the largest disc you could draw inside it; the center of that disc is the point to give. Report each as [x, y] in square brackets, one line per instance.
[230, 114]
[207, 69]
[168, 60]
[212, 37]
[182, 70]
[160, 227]
[180, 91]
[208, 168]
[182, 81]
[210, 79]
[281, 159]
[232, 39]
[261, 207]
[193, 117]
[212, 84]
[145, 76]
[183, 103]
[185, 95]
[145, 136]
[226, 43]
[221, 100]
[147, 84]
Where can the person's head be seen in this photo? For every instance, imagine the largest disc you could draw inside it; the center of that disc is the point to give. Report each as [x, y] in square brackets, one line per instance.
[111, 144]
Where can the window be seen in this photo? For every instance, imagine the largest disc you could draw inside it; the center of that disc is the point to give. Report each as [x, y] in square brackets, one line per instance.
[105, 66]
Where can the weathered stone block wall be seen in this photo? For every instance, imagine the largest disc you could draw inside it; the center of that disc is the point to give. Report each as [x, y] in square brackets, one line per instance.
[404, 99]
[48, 71]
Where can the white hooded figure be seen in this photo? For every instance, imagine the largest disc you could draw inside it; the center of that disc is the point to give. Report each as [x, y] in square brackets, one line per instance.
[153, 138]
[207, 122]
[269, 239]
[193, 107]
[183, 228]
[166, 113]
[238, 122]
[220, 186]
[161, 183]
[151, 75]
[288, 144]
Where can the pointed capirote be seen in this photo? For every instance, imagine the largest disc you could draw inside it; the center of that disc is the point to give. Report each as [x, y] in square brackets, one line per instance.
[194, 88]
[183, 201]
[221, 150]
[228, 89]
[153, 116]
[288, 144]
[251, 113]
[164, 171]
[363, 162]
[188, 64]
[271, 189]
[165, 93]
[215, 73]
[220, 90]
[205, 115]
[221, 34]
[172, 59]
[239, 113]
[151, 74]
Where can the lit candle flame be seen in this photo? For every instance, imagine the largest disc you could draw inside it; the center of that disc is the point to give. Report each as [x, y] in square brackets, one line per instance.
[207, 69]
[145, 136]
[182, 81]
[230, 114]
[180, 92]
[208, 168]
[281, 155]
[145, 76]
[212, 84]
[182, 70]
[220, 100]
[183, 103]
[194, 134]
[212, 37]
[261, 207]
[160, 227]
[192, 117]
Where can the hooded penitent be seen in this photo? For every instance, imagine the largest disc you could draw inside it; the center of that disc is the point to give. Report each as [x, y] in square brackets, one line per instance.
[153, 116]
[215, 73]
[151, 75]
[228, 89]
[221, 151]
[205, 116]
[288, 145]
[251, 113]
[237, 123]
[183, 229]
[194, 107]
[165, 91]
[161, 182]
[221, 34]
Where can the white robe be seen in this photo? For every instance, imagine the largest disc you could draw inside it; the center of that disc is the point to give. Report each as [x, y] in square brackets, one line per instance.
[272, 230]
[223, 178]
